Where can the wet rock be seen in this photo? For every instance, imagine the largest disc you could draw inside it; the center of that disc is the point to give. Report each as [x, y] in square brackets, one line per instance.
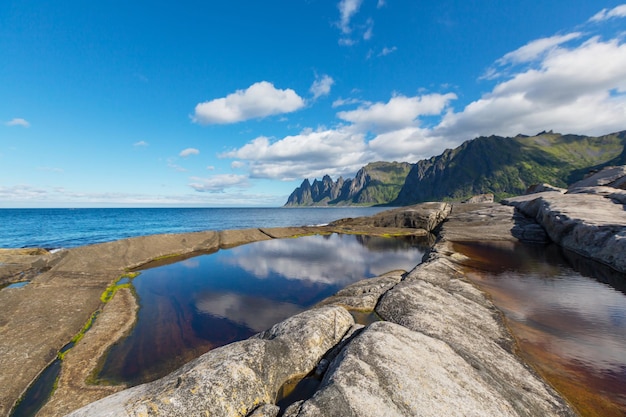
[235, 379]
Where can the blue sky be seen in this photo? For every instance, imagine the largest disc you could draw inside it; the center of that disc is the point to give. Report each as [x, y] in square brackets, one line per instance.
[152, 103]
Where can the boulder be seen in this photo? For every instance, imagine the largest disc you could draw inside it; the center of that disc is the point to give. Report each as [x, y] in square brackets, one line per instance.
[589, 224]
[426, 216]
[235, 379]
[540, 188]
[364, 294]
[614, 177]
[471, 327]
[481, 198]
[389, 370]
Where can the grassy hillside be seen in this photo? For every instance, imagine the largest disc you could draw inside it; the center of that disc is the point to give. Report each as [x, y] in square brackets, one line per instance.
[508, 166]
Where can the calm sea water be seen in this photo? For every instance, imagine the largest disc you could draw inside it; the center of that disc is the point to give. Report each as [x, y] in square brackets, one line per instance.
[66, 228]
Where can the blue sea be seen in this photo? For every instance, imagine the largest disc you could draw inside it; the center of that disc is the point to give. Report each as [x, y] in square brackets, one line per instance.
[66, 228]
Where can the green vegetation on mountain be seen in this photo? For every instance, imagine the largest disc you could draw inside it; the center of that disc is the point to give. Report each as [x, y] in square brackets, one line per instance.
[498, 165]
[374, 184]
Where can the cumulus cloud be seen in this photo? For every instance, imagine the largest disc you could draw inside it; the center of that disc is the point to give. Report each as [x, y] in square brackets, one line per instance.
[18, 122]
[321, 86]
[535, 49]
[399, 112]
[308, 154]
[188, 152]
[572, 83]
[141, 143]
[259, 100]
[218, 183]
[605, 14]
[579, 89]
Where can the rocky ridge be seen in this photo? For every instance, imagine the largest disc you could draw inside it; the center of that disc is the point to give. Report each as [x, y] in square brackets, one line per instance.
[502, 166]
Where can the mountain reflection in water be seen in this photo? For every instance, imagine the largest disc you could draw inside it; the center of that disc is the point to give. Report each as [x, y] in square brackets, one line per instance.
[192, 306]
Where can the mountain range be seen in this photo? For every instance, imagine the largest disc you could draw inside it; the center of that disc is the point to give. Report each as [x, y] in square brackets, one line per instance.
[503, 166]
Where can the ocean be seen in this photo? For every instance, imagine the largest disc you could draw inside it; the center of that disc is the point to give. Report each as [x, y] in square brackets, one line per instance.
[66, 228]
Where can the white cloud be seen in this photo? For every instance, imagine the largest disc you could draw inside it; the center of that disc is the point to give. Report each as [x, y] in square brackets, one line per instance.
[188, 152]
[605, 14]
[347, 9]
[309, 154]
[386, 51]
[321, 86]
[369, 30]
[576, 90]
[340, 102]
[18, 122]
[259, 100]
[218, 183]
[399, 112]
[407, 144]
[141, 143]
[570, 83]
[535, 49]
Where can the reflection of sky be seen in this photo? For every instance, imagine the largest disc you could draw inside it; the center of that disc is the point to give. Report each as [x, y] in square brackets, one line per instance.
[255, 313]
[210, 300]
[587, 317]
[334, 259]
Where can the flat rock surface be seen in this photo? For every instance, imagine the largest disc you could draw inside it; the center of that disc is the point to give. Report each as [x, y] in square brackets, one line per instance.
[587, 223]
[37, 320]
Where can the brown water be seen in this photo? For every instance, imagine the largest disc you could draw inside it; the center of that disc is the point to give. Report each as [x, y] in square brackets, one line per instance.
[568, 315]
[201, 303]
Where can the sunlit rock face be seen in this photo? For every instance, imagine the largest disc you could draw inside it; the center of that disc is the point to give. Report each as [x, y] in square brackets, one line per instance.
[589, 219]
[235, 379]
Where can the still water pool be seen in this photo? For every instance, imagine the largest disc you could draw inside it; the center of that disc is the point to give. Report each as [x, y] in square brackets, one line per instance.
[568, 315]
[201, 303]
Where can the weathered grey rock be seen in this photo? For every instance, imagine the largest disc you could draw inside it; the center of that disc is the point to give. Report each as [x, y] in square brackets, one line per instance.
[364, 294]
[426, 216]
[235, 379]
[614, 177]
[265, 410]
[589, 224]
[455, 312]
[389, 370]
[484, 221]
[481, 198]
[540, 188]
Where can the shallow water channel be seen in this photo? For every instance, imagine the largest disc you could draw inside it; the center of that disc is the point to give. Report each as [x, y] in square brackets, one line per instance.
[568, 315]
[201, 303]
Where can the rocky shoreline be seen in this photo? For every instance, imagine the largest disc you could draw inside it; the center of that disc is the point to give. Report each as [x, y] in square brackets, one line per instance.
[441, 348]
